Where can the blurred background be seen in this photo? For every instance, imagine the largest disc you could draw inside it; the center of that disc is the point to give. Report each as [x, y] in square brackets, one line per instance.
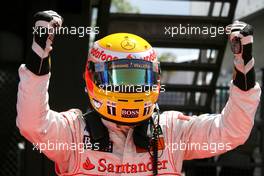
[196, 69]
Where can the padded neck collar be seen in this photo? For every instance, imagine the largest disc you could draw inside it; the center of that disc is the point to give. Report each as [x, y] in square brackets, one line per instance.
[99, 132]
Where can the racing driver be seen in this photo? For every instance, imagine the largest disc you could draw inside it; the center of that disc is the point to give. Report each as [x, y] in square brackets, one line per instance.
[124, 133]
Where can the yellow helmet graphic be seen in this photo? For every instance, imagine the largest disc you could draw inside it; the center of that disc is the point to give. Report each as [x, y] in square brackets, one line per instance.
[123, 78]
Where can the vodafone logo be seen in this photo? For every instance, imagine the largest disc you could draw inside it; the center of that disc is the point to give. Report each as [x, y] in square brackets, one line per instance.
[100, 54]
[150, 56]
[104, 55]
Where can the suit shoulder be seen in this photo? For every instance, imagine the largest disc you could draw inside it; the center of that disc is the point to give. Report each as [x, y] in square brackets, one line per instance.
[175, 115]
[174, 118]
[73, 115]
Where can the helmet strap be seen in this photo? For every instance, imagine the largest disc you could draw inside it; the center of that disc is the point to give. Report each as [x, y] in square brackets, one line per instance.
[154, 142]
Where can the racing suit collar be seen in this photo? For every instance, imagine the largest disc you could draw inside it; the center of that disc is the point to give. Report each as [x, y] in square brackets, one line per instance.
[116, 127]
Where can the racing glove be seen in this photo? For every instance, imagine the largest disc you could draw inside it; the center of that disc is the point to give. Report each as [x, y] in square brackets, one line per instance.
[46, 24]
[241, 39]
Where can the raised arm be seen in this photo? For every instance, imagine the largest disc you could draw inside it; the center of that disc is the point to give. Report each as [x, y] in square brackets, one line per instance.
[225, 131]
[36, 121]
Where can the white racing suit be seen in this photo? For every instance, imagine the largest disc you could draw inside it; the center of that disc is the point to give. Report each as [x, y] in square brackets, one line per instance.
[185, 137]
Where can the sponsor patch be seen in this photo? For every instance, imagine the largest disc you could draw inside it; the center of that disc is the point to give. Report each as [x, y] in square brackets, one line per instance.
[129, 113]
[103, 165]
[100, 54]
[147, 107]
[88, 165]
[111, 108]
[97, 103]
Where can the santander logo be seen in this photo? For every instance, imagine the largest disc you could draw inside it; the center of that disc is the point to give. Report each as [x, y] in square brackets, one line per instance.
[87, 165]
[105, 166]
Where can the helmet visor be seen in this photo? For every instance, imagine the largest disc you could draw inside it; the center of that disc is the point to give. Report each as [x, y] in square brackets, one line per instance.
[126, 72]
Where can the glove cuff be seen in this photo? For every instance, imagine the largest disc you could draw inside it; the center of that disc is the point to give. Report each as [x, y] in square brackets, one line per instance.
[244, 81]
[38, 66]
[247, 53]
[42, 52]
[242, 67]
